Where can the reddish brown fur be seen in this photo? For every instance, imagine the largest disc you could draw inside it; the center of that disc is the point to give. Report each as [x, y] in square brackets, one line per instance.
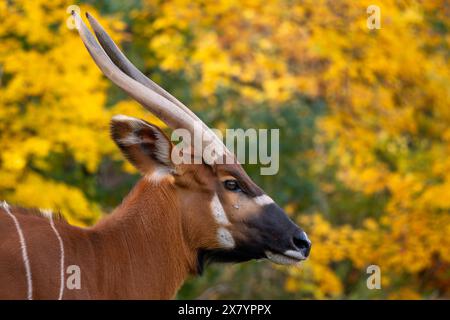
[145, 249]
[148, 246]
[138, 252]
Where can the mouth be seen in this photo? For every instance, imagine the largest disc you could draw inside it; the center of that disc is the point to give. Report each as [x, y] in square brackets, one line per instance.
[288, 257]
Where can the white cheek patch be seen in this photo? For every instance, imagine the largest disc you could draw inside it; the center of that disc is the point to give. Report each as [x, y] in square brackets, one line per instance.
[218, 212]
[225, 238]
[263, 200]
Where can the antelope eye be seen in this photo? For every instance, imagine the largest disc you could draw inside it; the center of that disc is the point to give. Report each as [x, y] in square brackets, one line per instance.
[232, 185]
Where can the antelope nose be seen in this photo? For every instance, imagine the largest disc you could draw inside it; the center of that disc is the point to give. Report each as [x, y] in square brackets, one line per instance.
[302, 242]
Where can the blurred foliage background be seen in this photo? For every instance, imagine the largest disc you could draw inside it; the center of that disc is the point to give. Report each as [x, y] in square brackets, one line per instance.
[364, 118]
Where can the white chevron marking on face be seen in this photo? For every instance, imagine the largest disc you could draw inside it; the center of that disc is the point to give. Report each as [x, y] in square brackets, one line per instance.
[218, 212]
[263, 200]
[223, 235]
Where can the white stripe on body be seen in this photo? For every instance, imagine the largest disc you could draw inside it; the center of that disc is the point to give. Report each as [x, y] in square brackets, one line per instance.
[23, 247]
[49, 215]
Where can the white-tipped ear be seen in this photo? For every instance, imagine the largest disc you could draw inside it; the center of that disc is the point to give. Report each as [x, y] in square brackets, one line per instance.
[144, 144]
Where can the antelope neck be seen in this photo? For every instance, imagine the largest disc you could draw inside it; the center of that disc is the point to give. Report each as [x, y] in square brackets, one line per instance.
[140, 246]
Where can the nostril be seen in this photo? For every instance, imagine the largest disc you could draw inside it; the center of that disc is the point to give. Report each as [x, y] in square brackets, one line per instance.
[302, 242]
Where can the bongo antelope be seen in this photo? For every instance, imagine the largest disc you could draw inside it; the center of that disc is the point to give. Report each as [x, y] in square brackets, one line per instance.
[177, 218]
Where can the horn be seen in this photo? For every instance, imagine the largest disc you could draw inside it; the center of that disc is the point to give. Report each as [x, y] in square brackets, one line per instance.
[114, 65]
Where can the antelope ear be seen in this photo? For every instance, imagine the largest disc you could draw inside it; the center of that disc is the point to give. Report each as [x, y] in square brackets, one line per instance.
[142, 143]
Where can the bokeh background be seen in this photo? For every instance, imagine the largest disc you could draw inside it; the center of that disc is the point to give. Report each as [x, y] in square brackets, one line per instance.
[364, 118]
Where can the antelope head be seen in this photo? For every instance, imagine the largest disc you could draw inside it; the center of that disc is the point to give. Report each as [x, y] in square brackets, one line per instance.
[225, 216]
